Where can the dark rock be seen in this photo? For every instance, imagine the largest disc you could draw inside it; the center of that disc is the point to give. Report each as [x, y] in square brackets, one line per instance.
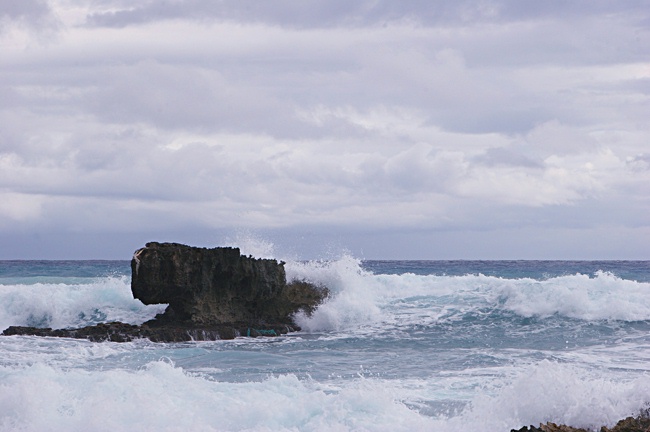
[641, 423]
[212, 294]
[631, 424]
[552, 427]
[549, 427]
[121, 332]
[217, 286]
[114, 331]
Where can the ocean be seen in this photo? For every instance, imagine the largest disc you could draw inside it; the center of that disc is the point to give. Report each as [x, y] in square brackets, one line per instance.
[399, 346]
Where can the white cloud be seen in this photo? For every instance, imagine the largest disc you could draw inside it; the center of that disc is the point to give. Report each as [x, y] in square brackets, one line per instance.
[377, 116]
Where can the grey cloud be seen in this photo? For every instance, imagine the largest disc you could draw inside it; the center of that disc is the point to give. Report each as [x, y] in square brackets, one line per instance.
[330, 13]
[487, 116]
[30, 11]
[184, 97]
[505, 156]
[33, 14]
[288, 12]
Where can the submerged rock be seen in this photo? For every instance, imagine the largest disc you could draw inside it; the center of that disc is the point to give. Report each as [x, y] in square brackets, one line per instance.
[154, 331]
[212, 294]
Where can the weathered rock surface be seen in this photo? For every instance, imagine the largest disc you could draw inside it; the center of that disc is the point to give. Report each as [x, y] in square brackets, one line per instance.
[212, 294]
[631, 424]
[217, 286]
[154, 331]
[549, 427]
[641, 423]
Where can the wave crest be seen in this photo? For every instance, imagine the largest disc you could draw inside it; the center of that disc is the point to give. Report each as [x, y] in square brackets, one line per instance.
[361, 298]
[70, 306]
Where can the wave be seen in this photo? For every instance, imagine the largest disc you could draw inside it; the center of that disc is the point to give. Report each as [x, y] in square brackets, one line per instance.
[555, 392]
[70, 305]
[605, 297]
[359, 297]
[162, 397]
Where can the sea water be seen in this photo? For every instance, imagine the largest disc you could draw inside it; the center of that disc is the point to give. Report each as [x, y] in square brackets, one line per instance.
[398, 346]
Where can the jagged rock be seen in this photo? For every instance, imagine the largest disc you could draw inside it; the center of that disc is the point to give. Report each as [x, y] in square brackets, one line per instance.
[216, 286]
[212, 294]
[549, 427]
[631, 424]
[115, 331]
[121, 332]
[641, 423]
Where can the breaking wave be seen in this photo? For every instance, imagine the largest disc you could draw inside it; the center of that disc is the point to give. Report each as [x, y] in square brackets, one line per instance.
[68, 305]
[359, 297]
[162, 397]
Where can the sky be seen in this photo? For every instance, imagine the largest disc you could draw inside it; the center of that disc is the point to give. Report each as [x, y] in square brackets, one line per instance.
[416, 129]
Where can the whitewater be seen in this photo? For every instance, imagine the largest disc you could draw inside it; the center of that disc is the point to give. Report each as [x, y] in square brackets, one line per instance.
[398, 346]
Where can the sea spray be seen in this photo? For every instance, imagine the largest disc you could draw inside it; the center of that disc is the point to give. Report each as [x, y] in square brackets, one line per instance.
[555, 392]
[604, 297]
[514, 344]
[161, 397]
[352, 301]
[64, 305]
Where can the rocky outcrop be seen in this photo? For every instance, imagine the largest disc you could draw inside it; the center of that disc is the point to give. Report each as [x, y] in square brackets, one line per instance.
[549, 427]
[153, 330]
[641, 423]
[211, 294]
[217, 286]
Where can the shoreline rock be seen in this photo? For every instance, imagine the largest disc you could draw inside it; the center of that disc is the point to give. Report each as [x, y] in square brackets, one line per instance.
[121, 332]
[208, 287]
[640, 423]
[212, 294]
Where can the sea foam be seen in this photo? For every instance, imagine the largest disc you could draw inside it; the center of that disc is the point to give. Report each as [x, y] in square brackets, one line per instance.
[162, 397]
[360, 298]
[443, 369]
[605, 297]
[62, 305]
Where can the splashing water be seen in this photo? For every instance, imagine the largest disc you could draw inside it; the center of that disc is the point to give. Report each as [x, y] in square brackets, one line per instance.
[415, 350]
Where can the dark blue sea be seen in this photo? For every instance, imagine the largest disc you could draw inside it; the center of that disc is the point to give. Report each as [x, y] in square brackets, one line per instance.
[399, 346]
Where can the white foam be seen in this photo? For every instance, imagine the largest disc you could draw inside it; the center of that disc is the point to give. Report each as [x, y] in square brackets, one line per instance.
[605, 297]
[360, 298]
[64, 305]
[353, 294]
[555, 392]
[161, 397]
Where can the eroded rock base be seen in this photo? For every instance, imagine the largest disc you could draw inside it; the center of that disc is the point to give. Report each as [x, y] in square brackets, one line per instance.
[121, 332]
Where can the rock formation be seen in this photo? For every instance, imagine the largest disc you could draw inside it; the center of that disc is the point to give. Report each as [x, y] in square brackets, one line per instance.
[640, 423]
[216, 286]
[212, 294]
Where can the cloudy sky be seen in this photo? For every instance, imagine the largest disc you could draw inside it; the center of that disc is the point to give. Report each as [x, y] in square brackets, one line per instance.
[413, 129]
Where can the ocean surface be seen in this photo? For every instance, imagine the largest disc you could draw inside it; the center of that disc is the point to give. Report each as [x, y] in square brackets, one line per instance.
[399, 346]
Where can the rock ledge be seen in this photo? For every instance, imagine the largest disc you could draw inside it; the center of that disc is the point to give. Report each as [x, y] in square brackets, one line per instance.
[641, 423]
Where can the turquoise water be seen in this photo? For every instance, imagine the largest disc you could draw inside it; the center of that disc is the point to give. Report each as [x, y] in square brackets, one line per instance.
[400, 345]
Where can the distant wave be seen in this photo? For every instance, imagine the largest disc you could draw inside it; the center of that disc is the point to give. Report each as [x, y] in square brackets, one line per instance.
[360, 297]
